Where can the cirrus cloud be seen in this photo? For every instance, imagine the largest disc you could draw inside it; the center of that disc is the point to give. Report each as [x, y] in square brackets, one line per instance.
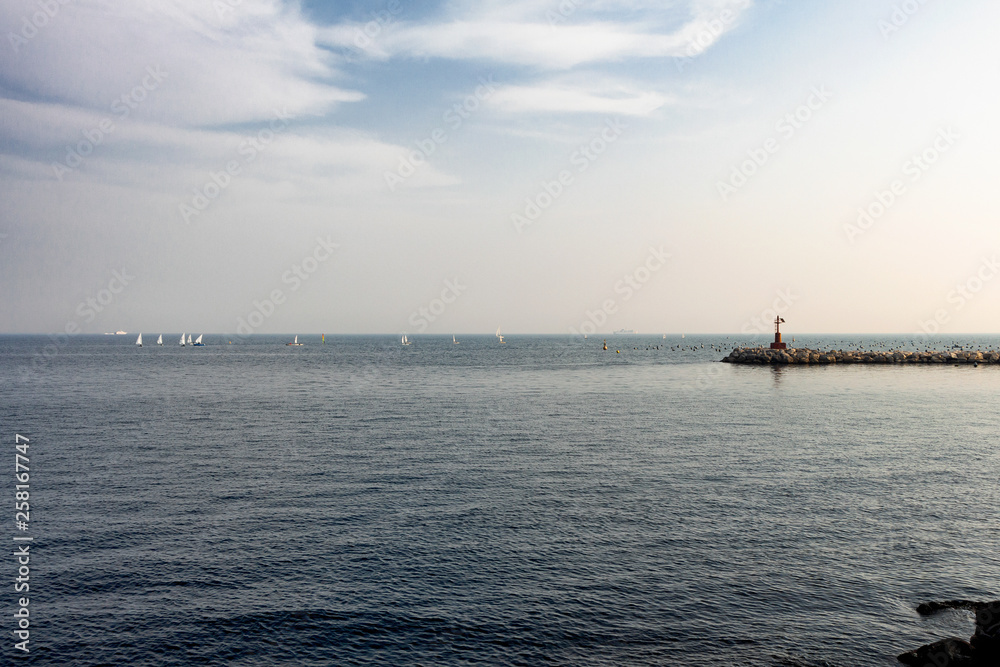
[550, 35]
[223, 67]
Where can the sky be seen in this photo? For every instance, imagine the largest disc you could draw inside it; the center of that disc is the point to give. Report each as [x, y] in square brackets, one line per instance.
[573, 166]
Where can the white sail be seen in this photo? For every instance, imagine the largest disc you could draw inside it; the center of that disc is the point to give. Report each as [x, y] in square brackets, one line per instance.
[189, 340]
[159, 341]
[198, 342]
[296, 339]
[182, 340]
[138, 341]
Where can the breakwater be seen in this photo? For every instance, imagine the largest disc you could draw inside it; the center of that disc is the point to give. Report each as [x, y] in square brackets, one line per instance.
[801, 355]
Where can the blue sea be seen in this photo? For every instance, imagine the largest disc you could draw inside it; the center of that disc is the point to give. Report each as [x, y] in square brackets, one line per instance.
[540, 502]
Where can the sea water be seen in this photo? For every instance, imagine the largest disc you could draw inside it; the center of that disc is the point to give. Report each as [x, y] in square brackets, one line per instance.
[542, 501]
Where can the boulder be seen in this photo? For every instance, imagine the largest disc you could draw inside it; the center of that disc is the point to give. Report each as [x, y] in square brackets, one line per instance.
[983, 650]
[987, 636]
[949, 652]
[805, 356]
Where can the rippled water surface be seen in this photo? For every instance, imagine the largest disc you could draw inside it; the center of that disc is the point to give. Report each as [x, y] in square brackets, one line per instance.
[538, 502]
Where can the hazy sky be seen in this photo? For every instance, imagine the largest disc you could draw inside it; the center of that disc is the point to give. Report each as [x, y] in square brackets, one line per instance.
[545, 166]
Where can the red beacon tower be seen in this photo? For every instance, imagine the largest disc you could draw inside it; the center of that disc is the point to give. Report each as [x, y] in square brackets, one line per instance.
[777, 344]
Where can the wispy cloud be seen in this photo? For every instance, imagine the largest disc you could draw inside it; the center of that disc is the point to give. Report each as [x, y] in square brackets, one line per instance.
[541, 34]
[225, 64]
[221, 69]
[552, 97]
[157, 157]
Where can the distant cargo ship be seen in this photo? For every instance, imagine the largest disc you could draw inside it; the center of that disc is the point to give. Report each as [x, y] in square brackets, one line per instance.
[626, 331]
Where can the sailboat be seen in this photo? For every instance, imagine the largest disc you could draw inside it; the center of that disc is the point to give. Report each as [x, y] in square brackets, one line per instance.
[500, 336]
[189, 340]
[138, 341]
[296, 343]
[404, 340]
[198, 342]
[453, 340]
[322, 338]
[159, 341]
[182, 340]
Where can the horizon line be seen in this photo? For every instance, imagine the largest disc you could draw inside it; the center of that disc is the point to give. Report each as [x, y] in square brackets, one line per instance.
[477, 333]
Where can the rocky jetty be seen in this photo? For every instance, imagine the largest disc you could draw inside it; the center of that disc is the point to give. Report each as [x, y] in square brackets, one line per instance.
[982, 650]
[802, 355]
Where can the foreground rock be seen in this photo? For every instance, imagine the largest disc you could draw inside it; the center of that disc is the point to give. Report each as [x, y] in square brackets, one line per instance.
[983, 650]
[802, 355]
